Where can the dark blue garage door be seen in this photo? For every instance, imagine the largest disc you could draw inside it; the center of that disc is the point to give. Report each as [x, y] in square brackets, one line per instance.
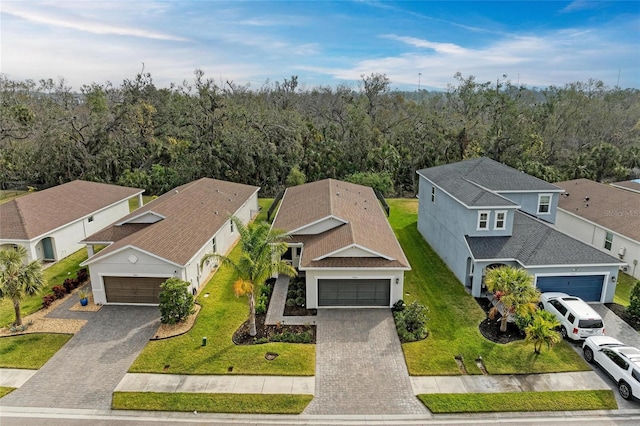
[586, 287]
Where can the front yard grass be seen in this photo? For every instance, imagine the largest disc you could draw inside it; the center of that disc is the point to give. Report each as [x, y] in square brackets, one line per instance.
[30, 351]
[221, 315]
[54, 275]
[454, 317]
[519, 401]
[623, 289]
[212, 403]
[4, 390]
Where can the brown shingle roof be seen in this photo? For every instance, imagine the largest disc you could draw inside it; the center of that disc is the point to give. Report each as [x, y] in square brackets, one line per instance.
[32, 215]
[366, 227]
[612, 208]
[631, 185]
[190, 220]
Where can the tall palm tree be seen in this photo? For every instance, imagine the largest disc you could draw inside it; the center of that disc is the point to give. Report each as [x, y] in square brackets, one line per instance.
[260, 250]
[513, 287]
[18, 279]
[542, 330]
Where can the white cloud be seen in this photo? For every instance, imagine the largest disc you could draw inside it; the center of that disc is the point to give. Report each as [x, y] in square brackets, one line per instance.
[446, 48]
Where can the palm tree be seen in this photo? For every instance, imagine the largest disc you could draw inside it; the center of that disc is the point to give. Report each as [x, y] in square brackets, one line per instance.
[513, 287]
[542, 330]
[260, 250]
[18, 279]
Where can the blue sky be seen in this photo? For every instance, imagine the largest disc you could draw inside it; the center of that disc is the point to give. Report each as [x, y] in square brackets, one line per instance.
[323, 42]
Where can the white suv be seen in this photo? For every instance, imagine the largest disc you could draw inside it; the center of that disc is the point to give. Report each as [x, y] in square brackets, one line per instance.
[577, 319]
[619, 361]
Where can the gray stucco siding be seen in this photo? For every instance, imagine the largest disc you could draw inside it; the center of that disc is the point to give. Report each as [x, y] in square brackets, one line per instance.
[528, 202]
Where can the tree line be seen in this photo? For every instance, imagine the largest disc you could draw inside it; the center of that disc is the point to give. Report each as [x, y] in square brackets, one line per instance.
[137, 134]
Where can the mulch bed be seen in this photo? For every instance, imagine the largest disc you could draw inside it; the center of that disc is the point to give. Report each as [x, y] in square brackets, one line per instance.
[298, 311]
[242, 336]
[620, 311]
[490, 329]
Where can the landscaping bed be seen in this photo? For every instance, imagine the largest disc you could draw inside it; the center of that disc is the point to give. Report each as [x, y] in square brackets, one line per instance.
[490, 328]
[274, 333]
[621, 312]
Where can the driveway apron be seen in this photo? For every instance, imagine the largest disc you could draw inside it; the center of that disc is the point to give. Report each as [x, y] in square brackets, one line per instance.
[84, 373]
[360, 368]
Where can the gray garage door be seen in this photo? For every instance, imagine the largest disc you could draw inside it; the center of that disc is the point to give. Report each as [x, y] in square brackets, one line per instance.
[586, 287]
[353, 292]
[132, 289]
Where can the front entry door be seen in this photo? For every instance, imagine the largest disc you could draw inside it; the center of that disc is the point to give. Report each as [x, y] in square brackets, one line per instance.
[47, 248]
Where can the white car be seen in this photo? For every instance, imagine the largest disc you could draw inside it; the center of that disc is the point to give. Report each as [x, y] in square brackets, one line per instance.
[577, 319]
[618, 360]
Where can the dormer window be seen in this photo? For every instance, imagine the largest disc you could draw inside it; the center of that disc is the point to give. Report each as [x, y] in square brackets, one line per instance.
[483, 220]
[501, 220]
[544, 203]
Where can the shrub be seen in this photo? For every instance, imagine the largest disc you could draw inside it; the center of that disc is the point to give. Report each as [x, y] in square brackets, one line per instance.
[291, 302]
[411, 322]
[260, 341]
[291, 294]
[300, 301]
[48, 300]
[59, 291]
[69, 284]
[82, 275]
[398, 306]
[176, 301]
[261, 304]
[634, 301]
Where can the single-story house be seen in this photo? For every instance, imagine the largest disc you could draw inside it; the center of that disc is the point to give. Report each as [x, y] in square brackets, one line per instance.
[167, 238]
[341, 241]
[478, 214]
[50, 224]
[604, 216]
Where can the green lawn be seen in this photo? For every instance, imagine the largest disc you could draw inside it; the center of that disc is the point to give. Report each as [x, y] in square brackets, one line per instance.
[212, 403]
[455, 316]
[519, 401]
[54, 275]
[4, 390]
[623, 289]
[133, 202]
[221, 314]
[6, 196]
[30, 351]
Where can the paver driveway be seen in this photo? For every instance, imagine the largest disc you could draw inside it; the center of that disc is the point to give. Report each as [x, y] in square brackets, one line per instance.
[360, 368]
[84, 373]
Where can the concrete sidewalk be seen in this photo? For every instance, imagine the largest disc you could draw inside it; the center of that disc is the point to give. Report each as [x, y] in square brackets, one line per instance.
[15, 377]
[583, 380]
[217, 384]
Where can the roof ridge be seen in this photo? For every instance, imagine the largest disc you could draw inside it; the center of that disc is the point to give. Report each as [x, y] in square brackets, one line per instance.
[23, 225]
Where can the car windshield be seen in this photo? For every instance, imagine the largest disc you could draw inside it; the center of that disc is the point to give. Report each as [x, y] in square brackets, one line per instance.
[590, 323]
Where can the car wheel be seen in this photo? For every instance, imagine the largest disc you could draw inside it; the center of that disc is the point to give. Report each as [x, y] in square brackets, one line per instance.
[588, 355]
[624, 389]
[564, 333]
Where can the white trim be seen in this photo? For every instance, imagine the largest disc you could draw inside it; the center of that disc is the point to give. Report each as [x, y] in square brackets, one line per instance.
[356, 268]
[504, 220]
[615, 185]
[583, 265]
[480, 213]
[548, 212]
[358, 246]
[530, 191]
[605, 282]
[129, 246]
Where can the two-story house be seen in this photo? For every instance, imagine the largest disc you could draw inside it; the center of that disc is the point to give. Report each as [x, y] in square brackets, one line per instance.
[479, 214]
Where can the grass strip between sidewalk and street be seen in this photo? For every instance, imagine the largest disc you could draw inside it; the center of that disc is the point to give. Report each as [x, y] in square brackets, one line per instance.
[212, 402]
[5, 390]
[441, 403]
[454, 317]
[30, 351]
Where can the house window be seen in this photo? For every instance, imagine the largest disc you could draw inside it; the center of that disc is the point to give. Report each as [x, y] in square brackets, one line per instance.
[213, 246]
[501, 220]
[433, 194]
[90, 219]
[483, 220]
[608, 240]
[231, 223]
[544, 204]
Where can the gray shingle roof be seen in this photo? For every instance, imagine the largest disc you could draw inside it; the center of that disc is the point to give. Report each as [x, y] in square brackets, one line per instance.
[535, 243]
[473, 182]
[32, 215]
